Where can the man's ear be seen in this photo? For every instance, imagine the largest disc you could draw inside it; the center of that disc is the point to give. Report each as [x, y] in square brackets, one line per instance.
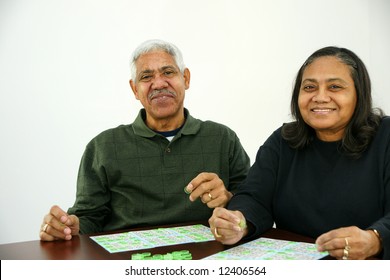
[134, 88]
[187, 78]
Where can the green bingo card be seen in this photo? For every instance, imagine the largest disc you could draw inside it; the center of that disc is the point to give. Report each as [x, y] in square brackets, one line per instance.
[270, 249]
[144, 239]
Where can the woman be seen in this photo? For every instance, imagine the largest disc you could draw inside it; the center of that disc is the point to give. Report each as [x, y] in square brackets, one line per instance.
[327, 174]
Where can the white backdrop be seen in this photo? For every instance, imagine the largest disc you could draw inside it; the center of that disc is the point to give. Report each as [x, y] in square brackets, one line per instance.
[64, 77]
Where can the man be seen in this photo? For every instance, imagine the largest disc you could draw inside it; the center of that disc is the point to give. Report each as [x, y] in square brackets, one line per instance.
[134, 175]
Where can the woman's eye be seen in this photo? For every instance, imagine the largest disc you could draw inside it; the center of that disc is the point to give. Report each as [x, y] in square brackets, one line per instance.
[335, 87]
[308, 87]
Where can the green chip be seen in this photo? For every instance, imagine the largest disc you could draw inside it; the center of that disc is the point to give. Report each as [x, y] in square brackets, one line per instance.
[242, 224]
[186, 191]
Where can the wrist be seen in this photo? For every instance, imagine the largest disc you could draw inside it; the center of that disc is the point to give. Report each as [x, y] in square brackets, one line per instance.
[379, 241]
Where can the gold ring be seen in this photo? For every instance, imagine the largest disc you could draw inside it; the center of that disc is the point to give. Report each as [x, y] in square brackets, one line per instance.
[211, 197]
[347, 247]
[45, 227]
[216, 233]
[346, 253]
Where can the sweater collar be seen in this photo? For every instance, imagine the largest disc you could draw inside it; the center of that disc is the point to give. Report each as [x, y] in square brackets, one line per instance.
[191, 125]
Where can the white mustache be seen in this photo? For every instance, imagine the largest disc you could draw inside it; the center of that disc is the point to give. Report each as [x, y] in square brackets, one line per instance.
[156, 92]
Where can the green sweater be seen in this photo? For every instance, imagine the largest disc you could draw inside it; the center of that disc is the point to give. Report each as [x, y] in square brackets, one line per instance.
[131, 176]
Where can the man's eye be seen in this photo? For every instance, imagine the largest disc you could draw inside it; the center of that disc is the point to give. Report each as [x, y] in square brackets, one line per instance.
[168, 73]
[145, 77]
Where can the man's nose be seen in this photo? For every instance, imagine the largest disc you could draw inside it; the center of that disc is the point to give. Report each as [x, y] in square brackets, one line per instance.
[159, 81]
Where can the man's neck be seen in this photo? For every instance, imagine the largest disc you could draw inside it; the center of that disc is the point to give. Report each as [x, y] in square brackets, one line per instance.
[168, 124]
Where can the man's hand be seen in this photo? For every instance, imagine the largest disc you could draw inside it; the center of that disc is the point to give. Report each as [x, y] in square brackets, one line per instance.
[210, 189]
[59, 225]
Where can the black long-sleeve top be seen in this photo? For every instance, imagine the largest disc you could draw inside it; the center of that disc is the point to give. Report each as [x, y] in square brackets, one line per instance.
[314, 190]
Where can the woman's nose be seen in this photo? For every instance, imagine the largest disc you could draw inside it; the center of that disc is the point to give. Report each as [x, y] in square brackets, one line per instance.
[321, 95]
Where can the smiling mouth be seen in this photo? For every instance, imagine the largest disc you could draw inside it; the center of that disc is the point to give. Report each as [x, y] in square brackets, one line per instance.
[322, 110]
[161, 94]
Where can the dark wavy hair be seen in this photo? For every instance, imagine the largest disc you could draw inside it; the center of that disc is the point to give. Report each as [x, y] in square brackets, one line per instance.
[365, 119]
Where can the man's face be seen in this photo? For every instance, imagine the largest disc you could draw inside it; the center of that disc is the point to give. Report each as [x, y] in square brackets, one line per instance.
[160, 86]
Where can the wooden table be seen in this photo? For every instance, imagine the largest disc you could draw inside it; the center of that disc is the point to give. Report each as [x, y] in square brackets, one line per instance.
[82, 247]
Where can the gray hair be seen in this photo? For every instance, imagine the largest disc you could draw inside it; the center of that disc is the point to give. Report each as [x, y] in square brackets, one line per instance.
[156, 45]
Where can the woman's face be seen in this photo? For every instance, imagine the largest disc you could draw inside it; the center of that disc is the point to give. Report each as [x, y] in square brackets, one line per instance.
[327, 97]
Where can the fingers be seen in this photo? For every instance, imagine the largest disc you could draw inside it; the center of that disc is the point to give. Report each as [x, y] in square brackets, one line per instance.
[49, 233]
[210, 189]
[201, 184]
[58, 225]
[44, 235]
[334, 242]
[347, 243]
[335, 247]
[227, 226]
[216, 198]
